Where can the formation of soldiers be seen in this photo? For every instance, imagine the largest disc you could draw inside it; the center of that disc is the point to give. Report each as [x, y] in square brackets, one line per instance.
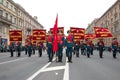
[66, 42]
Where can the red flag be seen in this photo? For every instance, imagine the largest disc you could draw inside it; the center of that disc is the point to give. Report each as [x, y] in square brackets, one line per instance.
[90, 36]
[55, 45]
[102, 32]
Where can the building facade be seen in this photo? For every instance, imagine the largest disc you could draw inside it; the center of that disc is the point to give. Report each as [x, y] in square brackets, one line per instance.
[14, 16]
[111, 20]
[90, 28]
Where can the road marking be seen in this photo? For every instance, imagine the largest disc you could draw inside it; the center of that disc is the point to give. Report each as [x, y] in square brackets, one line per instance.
[66, 72]
[39, 71]
[53, 68]
[12, 60]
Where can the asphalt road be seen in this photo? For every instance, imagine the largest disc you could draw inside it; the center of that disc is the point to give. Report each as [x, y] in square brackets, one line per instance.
[38, 68]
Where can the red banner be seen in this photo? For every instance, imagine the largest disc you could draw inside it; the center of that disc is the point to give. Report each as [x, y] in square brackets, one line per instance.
[78, 33]
[90, 36]
[102, 32]
[39, 35]
[59, 28]
[15, 35]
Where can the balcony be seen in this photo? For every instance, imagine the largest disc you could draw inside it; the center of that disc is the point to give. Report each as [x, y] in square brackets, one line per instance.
[5, 20]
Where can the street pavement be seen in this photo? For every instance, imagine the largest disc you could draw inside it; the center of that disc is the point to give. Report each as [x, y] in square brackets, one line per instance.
[38, 68]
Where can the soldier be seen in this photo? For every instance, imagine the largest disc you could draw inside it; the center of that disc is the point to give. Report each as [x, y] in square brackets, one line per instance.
[18, 47]
[77, 47]
[82, 46]
[11, 47]
[26, 48]
[49, 46]
[29, 44]
[33, 48]
[70, 46]
[88, 47]
[101, 47]
[92, 48]
[40, 46]
[60, 45]
[114, 47]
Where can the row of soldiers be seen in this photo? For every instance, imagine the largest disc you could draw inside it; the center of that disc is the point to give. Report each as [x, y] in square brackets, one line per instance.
[68, 42]
[29, 48]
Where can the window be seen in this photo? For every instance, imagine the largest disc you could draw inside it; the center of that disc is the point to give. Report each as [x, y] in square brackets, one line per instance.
[1, 12]
[19, 13]
[7, 4]
[11, 18]
[15, 9]
[1, 1]
[15, 20]
[11, 7]
[19, 22]
[6, 15]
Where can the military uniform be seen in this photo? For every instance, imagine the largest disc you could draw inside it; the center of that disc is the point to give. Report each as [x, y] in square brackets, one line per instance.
[92, 48]
[88, 47]
[101, 48]
[60, 47]
[40, 46]
[49, 47]
[26, 48]
[29, 48]
[76, 48]
[115, 47]
[82, 46]
[18, 49]
[33, 48]
[11, 47]
[69, 45]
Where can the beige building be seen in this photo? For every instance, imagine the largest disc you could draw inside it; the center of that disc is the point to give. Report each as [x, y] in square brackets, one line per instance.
[14, 16]
[111, 20]
[90, 28]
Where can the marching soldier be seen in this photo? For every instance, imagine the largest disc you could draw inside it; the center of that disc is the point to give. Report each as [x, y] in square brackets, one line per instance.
[33, 48]
[40, 46]
[101, 47]
[29, 44]
[26, 48]
[49, 46]
[18, 47]
[92, 48]
[88, 47]
[115, 47]
[60, 45]
[69, 45]
[11, 47]
[77, 47]
[82, 46]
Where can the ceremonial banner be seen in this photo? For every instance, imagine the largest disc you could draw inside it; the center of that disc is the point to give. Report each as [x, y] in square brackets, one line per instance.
[78, 33]
[39, 35]
[29, 37]
[55, 44]
[59, 28]
[15, 35]
[102, 32]
[90, 36]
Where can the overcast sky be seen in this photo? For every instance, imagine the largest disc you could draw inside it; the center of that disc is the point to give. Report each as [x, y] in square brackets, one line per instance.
[71, 13]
